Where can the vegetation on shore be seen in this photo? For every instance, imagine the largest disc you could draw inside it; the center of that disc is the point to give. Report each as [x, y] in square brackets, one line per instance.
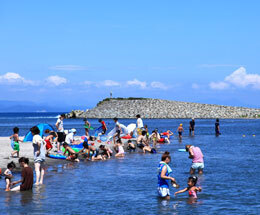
[120, 98]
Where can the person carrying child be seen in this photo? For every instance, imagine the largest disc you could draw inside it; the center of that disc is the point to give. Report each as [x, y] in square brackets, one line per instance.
[8, 175]
[15, 142]
[72, 156]
[192, 189]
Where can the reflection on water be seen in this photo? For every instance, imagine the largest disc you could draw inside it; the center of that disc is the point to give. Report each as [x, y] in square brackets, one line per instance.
[129, 185]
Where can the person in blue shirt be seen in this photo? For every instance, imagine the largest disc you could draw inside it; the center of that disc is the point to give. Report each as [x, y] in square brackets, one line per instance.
[164, 171]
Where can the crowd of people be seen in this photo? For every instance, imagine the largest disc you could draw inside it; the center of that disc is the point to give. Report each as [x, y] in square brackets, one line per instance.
[56, 141]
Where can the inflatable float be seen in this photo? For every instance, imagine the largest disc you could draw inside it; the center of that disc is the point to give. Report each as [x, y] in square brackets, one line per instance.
[57, 156]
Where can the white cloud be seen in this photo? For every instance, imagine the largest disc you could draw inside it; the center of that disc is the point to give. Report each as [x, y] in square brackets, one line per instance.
[136, 82]
[68, 67]
[240, 78]
[110, 83]
[56, 80]
[218, 85]
[14, 78]
[159, 85]
[195, 86]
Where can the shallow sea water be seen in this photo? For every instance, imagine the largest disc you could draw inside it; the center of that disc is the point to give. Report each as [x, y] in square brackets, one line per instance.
[230, 183]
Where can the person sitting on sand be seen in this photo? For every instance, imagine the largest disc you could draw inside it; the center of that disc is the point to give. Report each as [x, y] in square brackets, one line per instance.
[106, 151]
[15, 142]
[192, 189]
[180, 130]
[72, 156]
[130, 146]
[8, 175]
[197, 159]
[49, 140]
[120, 149]
[27, 176]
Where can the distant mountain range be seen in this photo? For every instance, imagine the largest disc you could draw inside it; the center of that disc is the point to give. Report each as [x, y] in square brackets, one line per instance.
[26, 106]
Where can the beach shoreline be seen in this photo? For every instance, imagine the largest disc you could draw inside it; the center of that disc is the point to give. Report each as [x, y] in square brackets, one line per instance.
[26, 150]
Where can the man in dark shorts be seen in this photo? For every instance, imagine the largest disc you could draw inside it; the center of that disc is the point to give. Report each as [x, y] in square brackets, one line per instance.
[192, 126]
[60, 131]
[217, 130]
[104, 127]
[26, 176]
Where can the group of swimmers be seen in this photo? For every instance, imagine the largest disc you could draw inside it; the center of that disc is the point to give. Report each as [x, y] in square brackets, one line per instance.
[43, 147]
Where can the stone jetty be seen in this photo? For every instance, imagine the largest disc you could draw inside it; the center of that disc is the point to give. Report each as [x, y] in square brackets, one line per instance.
[158, 108]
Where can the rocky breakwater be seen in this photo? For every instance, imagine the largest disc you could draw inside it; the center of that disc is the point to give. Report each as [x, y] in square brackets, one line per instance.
[157, 108]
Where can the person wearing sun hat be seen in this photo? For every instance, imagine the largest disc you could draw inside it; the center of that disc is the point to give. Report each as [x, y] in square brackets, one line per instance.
[70, 137]
[180, 130]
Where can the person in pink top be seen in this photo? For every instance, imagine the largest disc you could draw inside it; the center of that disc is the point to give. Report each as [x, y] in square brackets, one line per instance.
[197, 159]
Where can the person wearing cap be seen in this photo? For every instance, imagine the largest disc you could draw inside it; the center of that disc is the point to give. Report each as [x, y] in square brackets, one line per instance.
[180, 130]
[70, 137]
[192, 126]
[197, 159]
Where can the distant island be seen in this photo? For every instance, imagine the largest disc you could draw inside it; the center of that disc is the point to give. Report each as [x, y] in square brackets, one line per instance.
[162, 109]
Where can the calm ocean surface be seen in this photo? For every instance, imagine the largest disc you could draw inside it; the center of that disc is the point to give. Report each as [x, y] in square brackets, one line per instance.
[231, 180]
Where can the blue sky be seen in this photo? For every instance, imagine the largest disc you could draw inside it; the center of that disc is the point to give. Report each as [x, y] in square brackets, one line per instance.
[73, 53]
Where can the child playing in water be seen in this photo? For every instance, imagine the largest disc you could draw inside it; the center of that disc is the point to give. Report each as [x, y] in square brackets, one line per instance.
[15, 142]
[192, 189]
[8, 175]
[121, 151]
[131, 146]
[180, 130]
[106, 152]
[52, 136]
[72, 154]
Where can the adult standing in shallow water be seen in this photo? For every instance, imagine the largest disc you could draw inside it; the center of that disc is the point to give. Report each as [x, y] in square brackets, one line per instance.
[197, 159]
[217, 130]
[27, 176]
[164, 171]
[39, 154]
[60, 131]
[192, 126]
